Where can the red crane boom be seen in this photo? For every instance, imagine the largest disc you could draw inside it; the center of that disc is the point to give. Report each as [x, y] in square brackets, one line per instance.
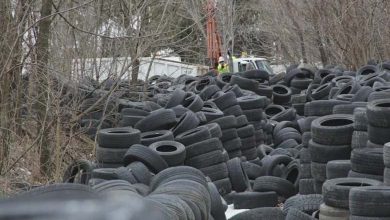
[213, 37]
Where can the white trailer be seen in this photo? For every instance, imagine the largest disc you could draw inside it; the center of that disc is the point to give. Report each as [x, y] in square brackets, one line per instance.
[103, 68]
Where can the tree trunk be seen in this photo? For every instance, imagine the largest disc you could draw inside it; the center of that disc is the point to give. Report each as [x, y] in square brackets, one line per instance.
[41, 74]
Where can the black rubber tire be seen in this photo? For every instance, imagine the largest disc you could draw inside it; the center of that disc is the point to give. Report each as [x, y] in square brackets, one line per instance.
[179, 110]
[304, 203]
[224, 186]
[140, 172]
[321, 153]
[281, 186]
[286, 115]
[254, 114]
[215, 130]
[206, 160]
[246, 131]
[217, 209]
[232, 145]
[203, 147]
[242, 121]
[162, 119]
[304, 156]
[216, 172]
[305, 170]
[248, 143]
[365, 175]
[186, 122]
[321, 91]
[338, 169]
[360, 119]
[386, 155]
[253, 170]
[373, 145]
[250, 154]
[348, 108]
[260, 213]
[286, 134]
[211, 113]
[359, 139]
[362, 94]
[233, 110]
[321, 107]
[129, 120]
[192, 136]
[368, 160]
[370, 201]
[110, 155]
[378, 135]
[134, 112]
[270, 162]
[281, 94]
[177, 173]
[272, 110]
[226, 122]
[305, 123]
[328, 213]
[252, 102]
[118, 137]
[193, 103]
[229, 134]
[378, 113]
[332, 129]
[295, 214]
[225, 100]
[336, 191]
[244, 83]
[318, 171]
[208, 92]
[174, 153]
[252, 200]
[176, 99]
[147, 156]
[306, 186]
[237, 175]
[150, 137]
[83, 166]
[288, 144]
[264, 90]
[234, 154]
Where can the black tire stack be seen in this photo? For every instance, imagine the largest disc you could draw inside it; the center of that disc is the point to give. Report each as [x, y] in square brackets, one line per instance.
[230, 140]
[113, 144]
[331, 140]
[360, 135]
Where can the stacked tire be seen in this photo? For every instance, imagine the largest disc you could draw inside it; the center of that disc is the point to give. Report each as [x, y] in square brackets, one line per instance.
[360, 135]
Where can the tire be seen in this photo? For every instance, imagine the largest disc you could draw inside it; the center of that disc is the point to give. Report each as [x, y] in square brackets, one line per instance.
[237, 175]
[217, 209]
[193, 103]
[224, 186]
[242, 121]
[306, 186]
[373, 145]
[359, 139]
[229, 134]
[226, 122]
[253, 170]
[378, 113]
[244, 83]
[174, 204]
[211, 113]
[215, 130]
[368, 160]
[134, 112]
[193, 136]
[348, 108]
[252, 200]
[83, 166]
[336, 191]
[206, 160]
[129, 121]
[295, 214]
[254, 114]
[365, 175]
[186, 122]
[328, 213]
[272, 110]
[288, 144]
[264, 90]
[318, 171]
[338, 169]
[286, 115]
[110, 155]
[208, 92]
[203, 147]
[231, 145]
[321, 107]
[248, 143]
[332, 130]
[177, 173]
[162, 119]
[305, 170]
[378, 135]
[225, 100]
[281, 94]
[140, 172]
[270, 162]
[234, 154]
[250, 154]
[145, 155]
[301, 83]
[370, 201]
[285, 134]
[305, 123]
[246, 131]
[386, 155]
[304, 156]
[362, 94]
[360, 119]
[216, 172]
[233, 110]
[304, 203]
[118, 137]
[260, 213]
[179, 110]
[281, 186]
[252, 102]
[321, 153]
[150, 137]
[176, 99]
[174, 153]
[321, 92]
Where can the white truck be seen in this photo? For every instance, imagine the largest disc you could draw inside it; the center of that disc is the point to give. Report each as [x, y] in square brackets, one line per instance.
[103, 68]
[251, 63]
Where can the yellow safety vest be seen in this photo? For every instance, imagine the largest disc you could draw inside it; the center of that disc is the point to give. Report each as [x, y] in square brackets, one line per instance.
[223, 68]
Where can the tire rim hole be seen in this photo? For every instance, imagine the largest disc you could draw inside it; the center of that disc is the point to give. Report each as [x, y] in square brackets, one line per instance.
[166, 148]
[337, 122]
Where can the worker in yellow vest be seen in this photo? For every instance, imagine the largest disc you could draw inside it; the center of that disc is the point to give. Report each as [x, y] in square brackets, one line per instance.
[222, 66]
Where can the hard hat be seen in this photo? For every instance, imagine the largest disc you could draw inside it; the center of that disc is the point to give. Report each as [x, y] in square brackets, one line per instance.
[221, 59]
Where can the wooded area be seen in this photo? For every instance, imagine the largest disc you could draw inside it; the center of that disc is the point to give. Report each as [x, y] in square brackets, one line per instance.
[40, 40]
